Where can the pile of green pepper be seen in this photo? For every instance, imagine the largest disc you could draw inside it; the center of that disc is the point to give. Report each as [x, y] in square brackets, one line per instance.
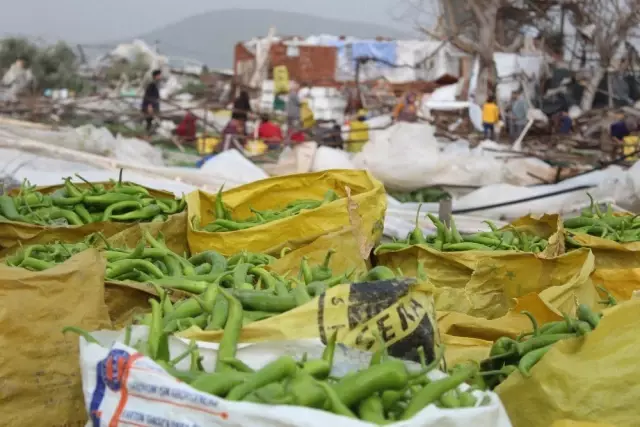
[261, 293]
[224, 221]
[521, 354]
[593, 221]
[73, 206]
[448, 239]
[422, 195]
[43, 257]
[384, 392]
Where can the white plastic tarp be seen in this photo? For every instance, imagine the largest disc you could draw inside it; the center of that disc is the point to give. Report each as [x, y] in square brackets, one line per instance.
[145, 395]
[613, 184]
[406, 156]
[233, 166]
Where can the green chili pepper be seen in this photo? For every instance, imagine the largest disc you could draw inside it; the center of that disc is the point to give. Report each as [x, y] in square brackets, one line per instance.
[254, 316]
[390, 247]
[391, 375]
[218, 319]
[533, 321]
[220, 210]
[157, 342]
[306, 391]
[229, 341]
[238, 365]
[106, 200]
[540, 341]
[84, 334]
[36, 264]
[147, 212]
[265, 301]
[275, 371]
[432, 391]
[587, 315]
[120, 267]
[416, 237]
[322, 271]
[466, 246]
[300, 293]
[219, 383]
[611, 300]
[215, 259]
[305, 270]
[530, 359]
[379, 273]
[67, 201]
[69, 216]
[449, 399]
[335, 404]
[455, 234]
[83, 213]
[371, 410]
[127, 205]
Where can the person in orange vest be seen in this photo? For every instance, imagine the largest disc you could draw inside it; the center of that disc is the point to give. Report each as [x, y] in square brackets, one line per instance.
[358, 133]
[490, 117]
[407, 109]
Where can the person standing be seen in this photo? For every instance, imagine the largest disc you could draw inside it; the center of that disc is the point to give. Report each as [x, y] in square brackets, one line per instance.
[406, 110]
[293, 109]
[269, 132]
[358, 133]
[490, 116]
[151, 100]
[519, 111]
[241, 110]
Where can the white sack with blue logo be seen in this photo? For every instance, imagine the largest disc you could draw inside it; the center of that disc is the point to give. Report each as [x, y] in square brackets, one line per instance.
[124, 388]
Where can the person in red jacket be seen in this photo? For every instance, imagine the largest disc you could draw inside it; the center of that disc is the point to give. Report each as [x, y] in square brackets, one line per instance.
[186, 130]
[268, 131]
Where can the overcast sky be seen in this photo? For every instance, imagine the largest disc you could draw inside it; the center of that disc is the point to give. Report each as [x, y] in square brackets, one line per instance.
[91, 21]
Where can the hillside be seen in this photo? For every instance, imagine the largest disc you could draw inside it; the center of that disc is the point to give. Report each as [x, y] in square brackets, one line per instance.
[210, 37]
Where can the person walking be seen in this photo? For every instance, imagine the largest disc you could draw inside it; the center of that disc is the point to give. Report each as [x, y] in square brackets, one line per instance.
[407, 109]
[490, 117]
[151, 100]
[293, 109]
[519, 111]
[241, 110]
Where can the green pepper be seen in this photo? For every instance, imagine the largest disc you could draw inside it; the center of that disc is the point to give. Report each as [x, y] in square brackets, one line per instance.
[391, 247]
[416, 237]
[335, 404]
[379, 273]
[120, 206]
[8, 209]
[229, 341]
[322, 271]
[391, 375]
[218, 383]
[120, 267]
[587, 315]
[216, 260]
[306, 391]
[67, 201]
[71, 217]
[275, 371]
[83, 213]
[84, 334]
[142, 214]
[265, 301]
[529, 360]
[158, 341]
[108, 199]
[432, 391]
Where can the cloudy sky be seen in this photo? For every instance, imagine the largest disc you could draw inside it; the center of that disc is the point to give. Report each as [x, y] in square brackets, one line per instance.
[92, 21]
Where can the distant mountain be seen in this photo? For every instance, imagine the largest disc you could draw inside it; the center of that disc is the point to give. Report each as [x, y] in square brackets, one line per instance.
[210, 37]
